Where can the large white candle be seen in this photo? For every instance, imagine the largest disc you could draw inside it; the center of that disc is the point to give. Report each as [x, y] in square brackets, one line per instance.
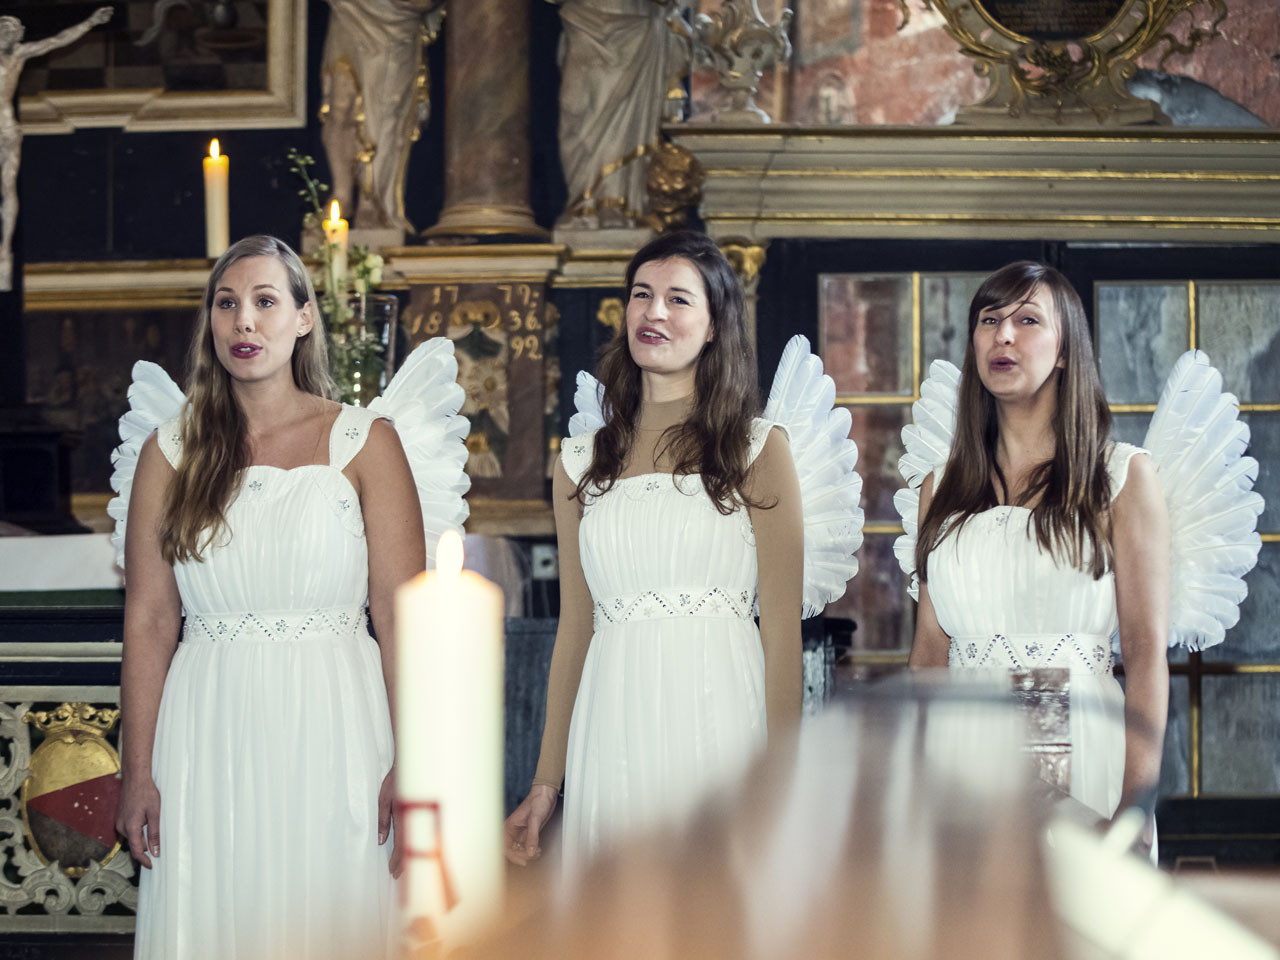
[450, 745]
[217, 224]
[335, 233]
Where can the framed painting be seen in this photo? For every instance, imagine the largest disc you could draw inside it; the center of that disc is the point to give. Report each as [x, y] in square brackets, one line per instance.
[176, 65]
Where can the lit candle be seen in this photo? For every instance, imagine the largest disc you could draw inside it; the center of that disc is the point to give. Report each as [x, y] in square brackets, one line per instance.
[217, 230]
[335, 232]
[450, 745]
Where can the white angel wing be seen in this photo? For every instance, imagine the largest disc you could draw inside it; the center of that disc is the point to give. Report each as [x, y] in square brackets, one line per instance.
[588, 400]
[153, 399]
[802, 401]
[423, 400]
[928, 445]
[1197, 443]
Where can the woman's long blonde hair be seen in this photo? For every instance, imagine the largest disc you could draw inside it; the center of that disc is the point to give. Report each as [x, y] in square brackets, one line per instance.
[215, 447]
[1072, 491]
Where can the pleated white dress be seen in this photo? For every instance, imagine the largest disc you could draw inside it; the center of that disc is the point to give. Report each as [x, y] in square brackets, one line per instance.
[274, 734]
[671, 705]
[1006, 604]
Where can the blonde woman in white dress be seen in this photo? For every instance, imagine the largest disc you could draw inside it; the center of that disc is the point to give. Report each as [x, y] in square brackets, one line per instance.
[266, 526]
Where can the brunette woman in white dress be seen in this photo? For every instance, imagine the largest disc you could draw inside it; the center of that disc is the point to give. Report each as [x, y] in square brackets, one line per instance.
[1040, 537]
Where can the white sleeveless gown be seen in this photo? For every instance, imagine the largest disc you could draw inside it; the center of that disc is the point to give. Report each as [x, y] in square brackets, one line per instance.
[671, 704]
[1006, 604]
[274, 734]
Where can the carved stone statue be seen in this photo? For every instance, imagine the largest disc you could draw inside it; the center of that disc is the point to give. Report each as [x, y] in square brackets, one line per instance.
[13, 57]
[619, 60]
[376, 99]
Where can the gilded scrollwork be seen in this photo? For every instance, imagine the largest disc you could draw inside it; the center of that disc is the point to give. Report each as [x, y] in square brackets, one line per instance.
[674, 182]
[739, 42]
[1053, 78]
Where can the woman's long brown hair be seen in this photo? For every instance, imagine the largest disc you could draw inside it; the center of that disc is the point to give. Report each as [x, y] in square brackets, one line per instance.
[1072, 491]
[215, 448]
[715, 439]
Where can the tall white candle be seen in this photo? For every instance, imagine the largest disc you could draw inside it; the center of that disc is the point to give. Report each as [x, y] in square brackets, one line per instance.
[450, 745]
[217, 222]
[335, 233]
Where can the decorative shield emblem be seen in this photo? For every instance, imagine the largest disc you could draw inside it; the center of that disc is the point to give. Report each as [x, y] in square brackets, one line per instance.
[69, 797]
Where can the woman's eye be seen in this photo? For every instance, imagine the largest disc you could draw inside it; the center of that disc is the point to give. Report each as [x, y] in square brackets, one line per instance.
[225, 304]
[265, 302]
[639, 295]
[1030, 320]
[680, 300]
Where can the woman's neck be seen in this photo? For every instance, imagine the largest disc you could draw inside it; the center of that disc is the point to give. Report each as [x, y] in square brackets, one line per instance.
[659, 415]
[268, 405]
[1026, 437]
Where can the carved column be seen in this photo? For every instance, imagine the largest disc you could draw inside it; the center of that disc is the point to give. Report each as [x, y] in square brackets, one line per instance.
[486, 121]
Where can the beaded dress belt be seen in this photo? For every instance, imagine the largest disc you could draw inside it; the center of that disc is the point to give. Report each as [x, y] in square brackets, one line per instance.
[333, 623]
[1078, 652]
[715, 603]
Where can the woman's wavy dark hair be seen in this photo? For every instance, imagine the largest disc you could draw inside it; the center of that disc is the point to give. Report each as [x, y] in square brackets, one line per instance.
[715, 439]
[1072, 491]
[215, 448]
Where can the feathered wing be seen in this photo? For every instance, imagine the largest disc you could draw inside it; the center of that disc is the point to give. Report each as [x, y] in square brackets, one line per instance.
[802, 401]
[1197, 444]
[588, 401]
[153, 399]
[928, 445]
[423, 400]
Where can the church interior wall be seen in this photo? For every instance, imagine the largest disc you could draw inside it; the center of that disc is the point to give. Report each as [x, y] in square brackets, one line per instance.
[103, 196]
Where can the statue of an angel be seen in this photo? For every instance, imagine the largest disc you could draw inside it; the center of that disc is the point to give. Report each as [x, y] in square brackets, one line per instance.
[14, 54]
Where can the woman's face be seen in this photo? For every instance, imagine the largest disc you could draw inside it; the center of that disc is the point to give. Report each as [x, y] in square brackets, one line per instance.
[254, 320]
[668, 319]
[1018, 347]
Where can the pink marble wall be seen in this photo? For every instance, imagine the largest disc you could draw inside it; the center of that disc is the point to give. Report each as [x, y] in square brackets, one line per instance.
[852, 65]
[1243, 64]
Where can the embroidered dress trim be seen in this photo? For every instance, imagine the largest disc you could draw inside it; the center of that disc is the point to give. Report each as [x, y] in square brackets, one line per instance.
[1079, 652]
[331, 623]
[666, 604]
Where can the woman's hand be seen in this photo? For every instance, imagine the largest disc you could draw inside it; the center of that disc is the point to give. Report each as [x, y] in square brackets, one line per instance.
[386, 797]
[524, 827]
[138, 809]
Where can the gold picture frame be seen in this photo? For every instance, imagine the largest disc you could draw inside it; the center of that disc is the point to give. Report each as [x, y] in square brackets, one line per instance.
[281, 104]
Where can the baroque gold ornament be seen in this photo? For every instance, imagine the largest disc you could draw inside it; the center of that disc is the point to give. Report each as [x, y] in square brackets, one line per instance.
[674, 182]
[1067, 62]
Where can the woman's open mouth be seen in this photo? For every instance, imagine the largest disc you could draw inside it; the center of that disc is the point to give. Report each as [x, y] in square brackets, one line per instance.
[245, 351]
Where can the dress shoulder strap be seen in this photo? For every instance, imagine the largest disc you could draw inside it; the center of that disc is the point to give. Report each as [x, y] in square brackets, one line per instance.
[576, 453]
[1118, 457]
[349, 432]
[760, 428]
[169, 439]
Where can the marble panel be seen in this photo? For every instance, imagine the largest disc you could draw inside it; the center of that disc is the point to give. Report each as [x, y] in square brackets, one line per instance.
[1264, 446]
[1240, 751]
[1175, 767]
[1130, 427]
[1175, 764]
[877, 430]
[1238, 325]
[865, 333]
[876, 599]
[1255, 638]
[944, 316]
[1141, 330]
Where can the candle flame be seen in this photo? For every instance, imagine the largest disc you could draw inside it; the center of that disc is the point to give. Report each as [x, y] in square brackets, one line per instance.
[449, 553]
[334, 213]
[213, 148]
